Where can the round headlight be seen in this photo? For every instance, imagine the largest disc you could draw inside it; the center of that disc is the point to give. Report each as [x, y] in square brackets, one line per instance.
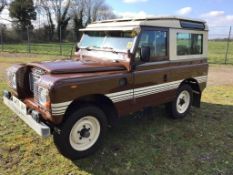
[13, 81]
[43, 96]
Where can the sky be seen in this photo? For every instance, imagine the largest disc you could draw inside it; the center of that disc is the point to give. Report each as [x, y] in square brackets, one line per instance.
[215, 12]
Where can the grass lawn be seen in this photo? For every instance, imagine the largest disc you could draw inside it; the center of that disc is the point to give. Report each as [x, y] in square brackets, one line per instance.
[40, 48]
[217, 50]
[201, 143]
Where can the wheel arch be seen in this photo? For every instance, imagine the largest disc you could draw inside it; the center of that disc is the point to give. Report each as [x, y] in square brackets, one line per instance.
[193, 83]
[99, 100]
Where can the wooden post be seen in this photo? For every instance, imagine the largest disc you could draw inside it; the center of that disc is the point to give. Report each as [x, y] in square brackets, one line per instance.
[60, 30]
[29, 43]
[60, 40]
[2, 48]
[228, 43]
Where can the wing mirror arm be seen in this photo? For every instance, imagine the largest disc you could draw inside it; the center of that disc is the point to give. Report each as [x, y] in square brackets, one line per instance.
[77, 47]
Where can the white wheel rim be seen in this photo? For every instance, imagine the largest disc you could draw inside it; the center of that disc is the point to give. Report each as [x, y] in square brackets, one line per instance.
[84, 133]
[183, 102]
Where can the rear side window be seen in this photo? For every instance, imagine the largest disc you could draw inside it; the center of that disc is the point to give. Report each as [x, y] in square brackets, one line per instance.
[189, 44]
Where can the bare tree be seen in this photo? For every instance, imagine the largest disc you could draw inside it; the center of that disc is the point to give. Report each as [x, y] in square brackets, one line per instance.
[3, 3]
[98, 10]
[77, 14]
[87, 11]
[61, 11]
[103, 12]
[45, 6]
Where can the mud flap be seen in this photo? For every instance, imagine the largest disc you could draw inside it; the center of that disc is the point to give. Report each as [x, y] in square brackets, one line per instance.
[196, 99]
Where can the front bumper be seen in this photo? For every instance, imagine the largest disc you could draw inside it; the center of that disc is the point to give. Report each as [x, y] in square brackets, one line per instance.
[41, 128]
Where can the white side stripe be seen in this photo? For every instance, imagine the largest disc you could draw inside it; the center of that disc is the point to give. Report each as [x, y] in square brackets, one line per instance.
[60, 108]
[121, 93]
[58, 105]
[149, 90]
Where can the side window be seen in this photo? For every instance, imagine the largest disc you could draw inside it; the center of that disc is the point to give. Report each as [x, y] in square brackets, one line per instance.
[189, 44]
[157, 41]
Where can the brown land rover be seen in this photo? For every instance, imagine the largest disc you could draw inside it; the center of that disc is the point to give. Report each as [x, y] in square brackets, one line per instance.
[121, 66]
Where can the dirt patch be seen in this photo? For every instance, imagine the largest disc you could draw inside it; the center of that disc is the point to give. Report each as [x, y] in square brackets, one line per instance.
[220, 75]
[9, 156]
[3, 67]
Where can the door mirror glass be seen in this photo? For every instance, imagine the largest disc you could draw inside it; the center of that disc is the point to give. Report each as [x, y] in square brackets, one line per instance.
[145, 54]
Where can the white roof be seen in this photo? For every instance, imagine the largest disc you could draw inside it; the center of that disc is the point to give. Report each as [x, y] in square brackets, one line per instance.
[152, 18]
[131, 23]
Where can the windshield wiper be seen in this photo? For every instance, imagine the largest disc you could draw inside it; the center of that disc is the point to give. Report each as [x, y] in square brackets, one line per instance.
[110, 48]
[89, 48]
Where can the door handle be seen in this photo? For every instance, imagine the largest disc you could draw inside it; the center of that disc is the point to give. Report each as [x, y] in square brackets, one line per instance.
[123, 82]
[165, 78]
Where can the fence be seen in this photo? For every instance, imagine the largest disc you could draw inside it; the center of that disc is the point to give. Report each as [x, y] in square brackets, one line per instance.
[220, 45]
[38, 41]
[59, 42]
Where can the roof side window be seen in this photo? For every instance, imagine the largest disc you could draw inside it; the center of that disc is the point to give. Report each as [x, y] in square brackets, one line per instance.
[157, 41]
[192, 25]
[189, 44]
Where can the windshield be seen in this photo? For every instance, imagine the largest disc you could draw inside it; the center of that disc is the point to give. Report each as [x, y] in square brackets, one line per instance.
[111, 40]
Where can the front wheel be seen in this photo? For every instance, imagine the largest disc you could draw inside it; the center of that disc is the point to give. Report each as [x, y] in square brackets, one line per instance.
[180, 107]
[82, 133]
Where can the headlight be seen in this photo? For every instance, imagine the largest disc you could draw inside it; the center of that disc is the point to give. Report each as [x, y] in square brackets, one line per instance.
[11, 77]
[44, 97]
[13, 81]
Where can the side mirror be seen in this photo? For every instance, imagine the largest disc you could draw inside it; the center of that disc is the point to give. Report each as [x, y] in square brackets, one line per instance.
[145, 54]
[77, 47]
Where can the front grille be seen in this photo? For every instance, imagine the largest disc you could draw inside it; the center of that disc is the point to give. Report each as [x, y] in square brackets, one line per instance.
[34, 76]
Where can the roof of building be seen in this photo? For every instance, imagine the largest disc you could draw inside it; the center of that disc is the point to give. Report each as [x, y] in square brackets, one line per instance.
[131, 23]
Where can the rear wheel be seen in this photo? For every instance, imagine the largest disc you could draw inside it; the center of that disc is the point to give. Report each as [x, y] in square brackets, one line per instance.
[180, 107]
[82, 133]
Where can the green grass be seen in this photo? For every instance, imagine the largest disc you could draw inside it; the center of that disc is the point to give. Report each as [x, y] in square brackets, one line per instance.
[40, 48]
[217, 50]
[201, 143]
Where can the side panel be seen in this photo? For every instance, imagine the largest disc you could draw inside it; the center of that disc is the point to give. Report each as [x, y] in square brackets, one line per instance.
[152, 84]
[157, 83]
[197, 70]
[117, 87]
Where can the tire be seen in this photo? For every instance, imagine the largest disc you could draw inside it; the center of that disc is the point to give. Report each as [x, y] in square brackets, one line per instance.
[181, 106]
[82, 132]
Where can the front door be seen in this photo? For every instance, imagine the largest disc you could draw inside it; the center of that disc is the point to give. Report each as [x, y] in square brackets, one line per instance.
[151, 79]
